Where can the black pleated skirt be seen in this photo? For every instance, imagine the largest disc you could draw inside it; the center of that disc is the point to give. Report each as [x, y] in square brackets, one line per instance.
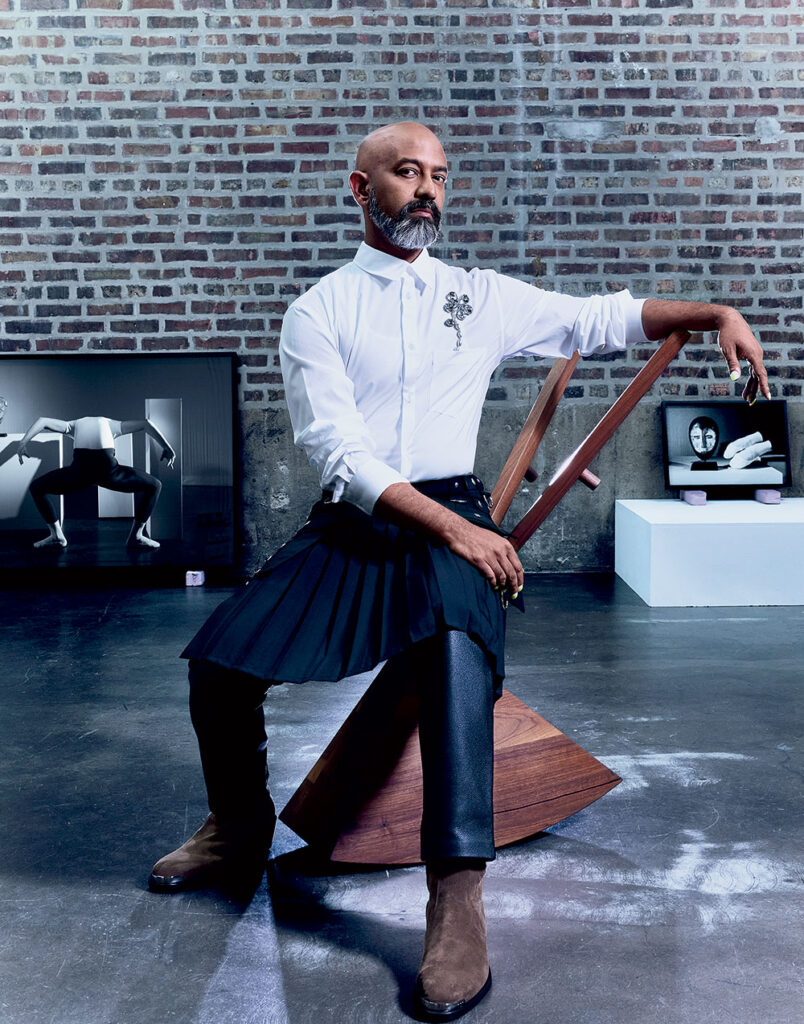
[350, 590]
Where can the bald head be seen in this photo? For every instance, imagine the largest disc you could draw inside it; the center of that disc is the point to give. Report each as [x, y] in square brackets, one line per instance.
[399, 180]
[387, 145]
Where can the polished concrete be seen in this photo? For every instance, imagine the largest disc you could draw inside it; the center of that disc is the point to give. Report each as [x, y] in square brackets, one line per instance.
[675, 899]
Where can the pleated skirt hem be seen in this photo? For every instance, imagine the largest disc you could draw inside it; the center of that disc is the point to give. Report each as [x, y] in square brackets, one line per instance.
[347, 592]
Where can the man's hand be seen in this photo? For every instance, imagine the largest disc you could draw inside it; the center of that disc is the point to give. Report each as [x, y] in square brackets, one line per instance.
[22, 452]
[736, 341]
[491, 554]
[734, 336]
[169, 456]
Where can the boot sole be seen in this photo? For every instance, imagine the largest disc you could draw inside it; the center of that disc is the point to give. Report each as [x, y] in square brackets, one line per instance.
[221, 876]
[428, 1011]
[230, 877]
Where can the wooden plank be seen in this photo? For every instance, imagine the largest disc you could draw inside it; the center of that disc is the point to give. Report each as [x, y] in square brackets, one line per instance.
[583, 455]
[530, 436]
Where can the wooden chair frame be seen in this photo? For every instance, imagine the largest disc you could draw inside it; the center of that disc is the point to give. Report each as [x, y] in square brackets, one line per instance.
[361, 801]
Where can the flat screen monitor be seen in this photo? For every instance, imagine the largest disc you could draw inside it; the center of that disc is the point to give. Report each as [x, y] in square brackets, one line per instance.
[726, 445]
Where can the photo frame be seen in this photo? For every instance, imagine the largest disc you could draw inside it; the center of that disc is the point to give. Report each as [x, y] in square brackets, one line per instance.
[191, 401]
[726, 446]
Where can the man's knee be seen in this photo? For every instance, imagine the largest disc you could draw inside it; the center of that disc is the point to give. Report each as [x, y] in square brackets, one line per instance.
[218, 689]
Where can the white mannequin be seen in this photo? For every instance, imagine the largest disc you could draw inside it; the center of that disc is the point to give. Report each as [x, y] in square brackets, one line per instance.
[96, 434]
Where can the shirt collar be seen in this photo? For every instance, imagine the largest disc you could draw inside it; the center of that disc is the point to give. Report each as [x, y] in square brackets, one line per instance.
[382, 264]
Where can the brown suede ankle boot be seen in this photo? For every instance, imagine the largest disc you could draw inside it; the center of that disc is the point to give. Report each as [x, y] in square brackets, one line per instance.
[454, 974]
[217, 853]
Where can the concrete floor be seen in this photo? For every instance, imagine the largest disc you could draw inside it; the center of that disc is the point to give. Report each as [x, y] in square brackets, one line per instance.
[674, 899]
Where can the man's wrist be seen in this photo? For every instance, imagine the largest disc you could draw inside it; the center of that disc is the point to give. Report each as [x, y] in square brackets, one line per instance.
[402, 503]
[723, 316]
[661, 316]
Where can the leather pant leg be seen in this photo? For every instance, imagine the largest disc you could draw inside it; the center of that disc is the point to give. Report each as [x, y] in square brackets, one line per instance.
[227, 715]
[456, 734]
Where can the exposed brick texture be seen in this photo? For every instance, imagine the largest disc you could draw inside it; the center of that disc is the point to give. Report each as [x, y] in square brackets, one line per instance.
[173, 172]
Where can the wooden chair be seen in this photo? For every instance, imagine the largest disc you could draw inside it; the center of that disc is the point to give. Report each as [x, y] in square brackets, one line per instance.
[361, 802]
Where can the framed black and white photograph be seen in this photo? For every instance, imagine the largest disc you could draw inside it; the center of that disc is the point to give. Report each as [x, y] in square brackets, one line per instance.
[727, 444]
[117, 460]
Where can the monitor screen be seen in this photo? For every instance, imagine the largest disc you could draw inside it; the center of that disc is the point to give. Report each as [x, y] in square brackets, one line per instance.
[726, 444]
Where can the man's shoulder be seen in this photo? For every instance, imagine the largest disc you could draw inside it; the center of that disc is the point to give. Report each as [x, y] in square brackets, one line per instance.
[325, 290]
[478, 281]
[475, 275]
[487, 280]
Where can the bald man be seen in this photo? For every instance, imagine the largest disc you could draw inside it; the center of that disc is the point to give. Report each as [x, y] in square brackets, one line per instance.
[386, 363]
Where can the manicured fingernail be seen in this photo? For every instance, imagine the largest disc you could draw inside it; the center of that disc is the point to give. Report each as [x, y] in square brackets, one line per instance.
[735, 374]
[519, 591]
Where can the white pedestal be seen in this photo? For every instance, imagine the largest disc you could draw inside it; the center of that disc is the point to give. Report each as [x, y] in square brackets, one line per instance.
[722, 553]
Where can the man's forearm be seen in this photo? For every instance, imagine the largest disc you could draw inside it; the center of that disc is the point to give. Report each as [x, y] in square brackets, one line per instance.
[404, 505]
[492, 555]
[661, 316]
[734, 336]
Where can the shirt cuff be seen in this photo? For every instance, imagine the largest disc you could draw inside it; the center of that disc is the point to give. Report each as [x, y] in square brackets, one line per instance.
[634, 331]
[369, 482]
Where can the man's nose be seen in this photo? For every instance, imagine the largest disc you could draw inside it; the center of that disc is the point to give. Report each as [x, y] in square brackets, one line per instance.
[427, 188]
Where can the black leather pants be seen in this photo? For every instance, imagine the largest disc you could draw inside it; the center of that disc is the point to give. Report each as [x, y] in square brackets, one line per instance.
[456, 738]
[226, 711]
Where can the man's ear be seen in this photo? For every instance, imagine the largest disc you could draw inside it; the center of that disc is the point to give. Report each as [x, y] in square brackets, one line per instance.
[359, 184]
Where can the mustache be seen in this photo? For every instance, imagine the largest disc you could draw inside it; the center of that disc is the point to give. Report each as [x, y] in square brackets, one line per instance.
[420, 204]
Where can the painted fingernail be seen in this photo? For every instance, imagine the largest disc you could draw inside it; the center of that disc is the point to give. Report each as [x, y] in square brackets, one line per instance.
[735, 374]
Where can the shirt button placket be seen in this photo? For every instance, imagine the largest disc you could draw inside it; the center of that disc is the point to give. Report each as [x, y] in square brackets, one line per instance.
[407, 299]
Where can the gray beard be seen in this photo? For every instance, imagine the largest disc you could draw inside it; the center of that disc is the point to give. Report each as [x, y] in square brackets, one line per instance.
[403, 231]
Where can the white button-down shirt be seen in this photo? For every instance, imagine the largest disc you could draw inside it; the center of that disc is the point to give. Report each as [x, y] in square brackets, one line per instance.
[384, 384]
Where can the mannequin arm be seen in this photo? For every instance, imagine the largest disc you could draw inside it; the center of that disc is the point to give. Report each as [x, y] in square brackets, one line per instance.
[132, 426]
[43, 423]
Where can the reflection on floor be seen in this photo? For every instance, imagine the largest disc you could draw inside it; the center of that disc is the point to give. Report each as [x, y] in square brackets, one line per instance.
[672, 900]
[207, 541]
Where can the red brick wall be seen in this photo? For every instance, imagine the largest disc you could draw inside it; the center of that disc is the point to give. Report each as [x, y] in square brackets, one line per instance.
[173, 172]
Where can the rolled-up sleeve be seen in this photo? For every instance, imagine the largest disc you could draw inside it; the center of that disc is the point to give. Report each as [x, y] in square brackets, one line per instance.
[542, 323]
[326, 422]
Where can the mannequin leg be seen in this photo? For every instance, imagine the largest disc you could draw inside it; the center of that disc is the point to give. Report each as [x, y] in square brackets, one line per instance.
[146, 489]
[66, 480]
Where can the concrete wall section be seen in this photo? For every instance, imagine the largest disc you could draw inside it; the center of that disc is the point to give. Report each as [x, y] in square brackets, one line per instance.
[279, 486]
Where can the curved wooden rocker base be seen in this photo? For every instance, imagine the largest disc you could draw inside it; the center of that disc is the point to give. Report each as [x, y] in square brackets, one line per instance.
[362, 801]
